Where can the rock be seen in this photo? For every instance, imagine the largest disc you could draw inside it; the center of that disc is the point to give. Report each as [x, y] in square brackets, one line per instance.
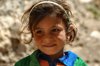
[95, 34]
[5, 58]
[85, 1]
[7, 22]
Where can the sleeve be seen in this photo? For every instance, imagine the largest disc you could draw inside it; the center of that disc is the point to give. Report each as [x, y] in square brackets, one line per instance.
[79, 62]
[17, 64]
[23, 62]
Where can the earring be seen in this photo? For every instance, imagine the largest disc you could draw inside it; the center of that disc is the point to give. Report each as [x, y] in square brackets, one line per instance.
[68, 40]
[68, 37]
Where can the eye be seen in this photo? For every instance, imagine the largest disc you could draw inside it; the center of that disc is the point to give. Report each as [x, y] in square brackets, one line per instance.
[55, 30]
[39, 31]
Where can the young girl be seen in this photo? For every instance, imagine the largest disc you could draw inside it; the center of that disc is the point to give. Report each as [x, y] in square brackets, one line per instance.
[51, 28]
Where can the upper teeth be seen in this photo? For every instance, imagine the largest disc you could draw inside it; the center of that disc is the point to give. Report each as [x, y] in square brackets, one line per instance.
[48, 45]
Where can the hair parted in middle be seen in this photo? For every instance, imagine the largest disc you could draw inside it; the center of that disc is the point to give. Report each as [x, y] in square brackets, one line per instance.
[33, 16]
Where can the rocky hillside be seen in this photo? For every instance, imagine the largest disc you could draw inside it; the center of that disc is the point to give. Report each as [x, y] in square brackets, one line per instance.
[86, 14]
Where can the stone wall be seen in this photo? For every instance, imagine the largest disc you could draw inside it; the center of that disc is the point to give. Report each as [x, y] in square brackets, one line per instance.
[86, 14]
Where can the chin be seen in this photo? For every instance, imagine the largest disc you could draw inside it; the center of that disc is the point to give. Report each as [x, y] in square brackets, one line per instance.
[49, 53]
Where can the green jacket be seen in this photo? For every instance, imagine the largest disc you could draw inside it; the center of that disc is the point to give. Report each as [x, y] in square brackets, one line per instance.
[31, 60]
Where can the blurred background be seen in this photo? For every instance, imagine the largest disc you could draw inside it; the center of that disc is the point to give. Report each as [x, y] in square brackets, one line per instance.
[86, 14]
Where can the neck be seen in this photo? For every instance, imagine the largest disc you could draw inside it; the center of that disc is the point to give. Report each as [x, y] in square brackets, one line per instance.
[55, 56]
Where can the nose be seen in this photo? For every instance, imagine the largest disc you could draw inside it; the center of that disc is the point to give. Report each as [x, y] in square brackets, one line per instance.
[48, 37]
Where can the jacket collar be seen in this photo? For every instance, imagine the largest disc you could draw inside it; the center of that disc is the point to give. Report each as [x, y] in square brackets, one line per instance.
[68, 59]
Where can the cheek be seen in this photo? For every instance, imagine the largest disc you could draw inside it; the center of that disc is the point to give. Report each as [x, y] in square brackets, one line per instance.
[62, 37]
[38, 39]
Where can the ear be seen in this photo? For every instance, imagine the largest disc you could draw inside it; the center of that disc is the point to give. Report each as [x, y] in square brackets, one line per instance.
[68, 33]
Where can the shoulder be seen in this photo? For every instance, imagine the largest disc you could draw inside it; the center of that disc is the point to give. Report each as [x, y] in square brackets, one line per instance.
[23, 62]
[79, 62]
[26, 61]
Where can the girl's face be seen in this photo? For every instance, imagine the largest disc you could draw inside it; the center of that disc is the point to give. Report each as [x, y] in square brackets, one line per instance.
[50, 35]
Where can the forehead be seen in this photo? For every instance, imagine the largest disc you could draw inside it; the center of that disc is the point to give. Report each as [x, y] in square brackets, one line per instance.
[49, 22]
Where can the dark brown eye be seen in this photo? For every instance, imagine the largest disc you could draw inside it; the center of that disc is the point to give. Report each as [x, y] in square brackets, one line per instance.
[55, 30]
[39, 31]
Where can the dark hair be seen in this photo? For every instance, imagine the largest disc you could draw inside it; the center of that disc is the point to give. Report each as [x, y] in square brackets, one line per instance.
[42, 10]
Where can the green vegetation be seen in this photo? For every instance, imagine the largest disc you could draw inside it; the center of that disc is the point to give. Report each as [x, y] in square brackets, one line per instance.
[96, 12]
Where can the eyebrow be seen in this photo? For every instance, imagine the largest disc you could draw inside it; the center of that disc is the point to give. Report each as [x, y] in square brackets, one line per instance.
[42, 28]
[54, 26]
[38, 28]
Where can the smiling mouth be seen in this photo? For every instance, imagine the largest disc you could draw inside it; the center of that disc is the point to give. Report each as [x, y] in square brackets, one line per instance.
[49, 45]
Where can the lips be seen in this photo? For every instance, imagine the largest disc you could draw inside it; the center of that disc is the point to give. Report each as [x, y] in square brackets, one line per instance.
[51, 45]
